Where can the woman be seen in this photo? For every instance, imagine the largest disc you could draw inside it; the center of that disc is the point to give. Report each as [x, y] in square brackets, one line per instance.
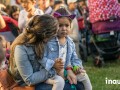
[13, 11]
[27, 50]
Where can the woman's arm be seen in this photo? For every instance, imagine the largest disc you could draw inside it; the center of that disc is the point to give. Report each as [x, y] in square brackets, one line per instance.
[25, 68]
[2, 22]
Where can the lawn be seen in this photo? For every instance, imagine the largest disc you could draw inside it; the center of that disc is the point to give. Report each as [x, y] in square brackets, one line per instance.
[98, 76]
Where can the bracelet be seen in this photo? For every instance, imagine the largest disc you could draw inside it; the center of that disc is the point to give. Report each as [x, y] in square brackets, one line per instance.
[68, 68]
[75, 68]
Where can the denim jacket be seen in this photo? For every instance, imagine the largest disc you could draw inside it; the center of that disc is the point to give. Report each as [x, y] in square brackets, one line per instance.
[52, 52]
[27, 68]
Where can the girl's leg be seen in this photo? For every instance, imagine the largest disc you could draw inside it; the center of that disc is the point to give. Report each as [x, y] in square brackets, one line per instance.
[61, 73]
[85, 80]
[57, 82]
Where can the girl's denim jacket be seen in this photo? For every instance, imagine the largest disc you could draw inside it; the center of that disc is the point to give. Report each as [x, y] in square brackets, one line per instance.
[27, 68]
[52, 52]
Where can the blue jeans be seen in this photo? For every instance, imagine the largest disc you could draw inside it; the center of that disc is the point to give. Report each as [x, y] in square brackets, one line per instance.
[44, 86]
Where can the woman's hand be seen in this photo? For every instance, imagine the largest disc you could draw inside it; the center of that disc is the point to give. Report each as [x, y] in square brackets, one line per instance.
[58, 65]
[71, 77]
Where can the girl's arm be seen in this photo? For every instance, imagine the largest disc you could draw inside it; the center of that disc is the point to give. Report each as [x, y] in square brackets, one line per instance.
[2, 22]
[75, 61]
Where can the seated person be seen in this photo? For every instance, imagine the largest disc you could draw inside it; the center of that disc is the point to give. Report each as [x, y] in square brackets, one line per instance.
[28, 49]
[60, 51]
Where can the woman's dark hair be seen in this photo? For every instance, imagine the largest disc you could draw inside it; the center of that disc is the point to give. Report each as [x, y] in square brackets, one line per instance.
[118, 1]
[13, 9]
[38, 29]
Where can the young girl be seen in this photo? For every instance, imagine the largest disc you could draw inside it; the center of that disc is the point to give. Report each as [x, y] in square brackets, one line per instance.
[13, 11]
[3, 53]
[28, 12]
[62, 49]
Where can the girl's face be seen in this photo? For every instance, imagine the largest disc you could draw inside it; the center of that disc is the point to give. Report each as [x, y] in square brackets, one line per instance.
[64, 27]
[15, 15]
[44, 3]
[27, 4]
[73, 6]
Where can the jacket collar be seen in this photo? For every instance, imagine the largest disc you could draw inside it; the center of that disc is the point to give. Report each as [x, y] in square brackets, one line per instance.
[56, 38]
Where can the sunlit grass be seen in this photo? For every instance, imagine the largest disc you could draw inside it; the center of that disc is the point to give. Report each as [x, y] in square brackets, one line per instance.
[98, 76]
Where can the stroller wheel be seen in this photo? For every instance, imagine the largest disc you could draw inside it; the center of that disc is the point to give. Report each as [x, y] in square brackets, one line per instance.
[99, 62]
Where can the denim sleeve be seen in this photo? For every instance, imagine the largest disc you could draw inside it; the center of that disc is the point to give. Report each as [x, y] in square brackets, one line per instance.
[25, 68]
[75, 61]
[47, 63]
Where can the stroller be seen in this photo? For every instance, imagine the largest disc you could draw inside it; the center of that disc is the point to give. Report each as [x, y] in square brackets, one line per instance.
[102, 37]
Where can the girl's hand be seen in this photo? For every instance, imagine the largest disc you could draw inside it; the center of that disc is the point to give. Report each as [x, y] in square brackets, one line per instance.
[82, 71]
[71, 77]
[78, 70]
[58, 65]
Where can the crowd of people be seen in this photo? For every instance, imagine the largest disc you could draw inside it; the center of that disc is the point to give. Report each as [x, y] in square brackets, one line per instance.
[39, 43]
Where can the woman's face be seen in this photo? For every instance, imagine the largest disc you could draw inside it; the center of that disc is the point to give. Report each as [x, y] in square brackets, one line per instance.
[15, 15]
[27, 4]
[64, 27]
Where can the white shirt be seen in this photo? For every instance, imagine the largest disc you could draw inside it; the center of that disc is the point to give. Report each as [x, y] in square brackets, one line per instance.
[13, 2]
[22, 20]
[63, 52]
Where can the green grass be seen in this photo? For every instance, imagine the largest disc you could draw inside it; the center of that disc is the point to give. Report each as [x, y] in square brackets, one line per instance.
[111, 70]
